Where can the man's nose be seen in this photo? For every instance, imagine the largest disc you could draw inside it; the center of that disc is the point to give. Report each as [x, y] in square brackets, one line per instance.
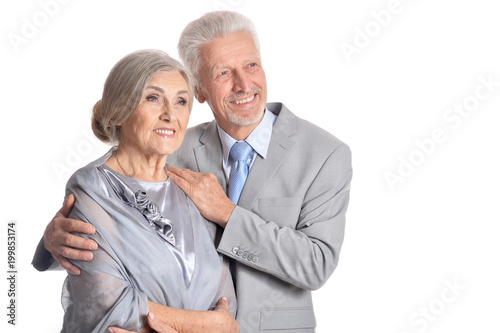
[242, 82]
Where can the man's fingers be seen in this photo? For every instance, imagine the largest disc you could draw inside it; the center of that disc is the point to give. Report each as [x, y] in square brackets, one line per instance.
[188, 178]
[174, 169]
[68, 266]
[180, 174]
[79, 243]
[68, 205]
[183, 178]
[71, 225]
[175, 177]
[186, 175]
[71, 253]
[63, 245]
[181, 182]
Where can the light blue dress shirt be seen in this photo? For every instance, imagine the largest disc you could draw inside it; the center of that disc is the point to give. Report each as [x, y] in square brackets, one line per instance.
[259, 140]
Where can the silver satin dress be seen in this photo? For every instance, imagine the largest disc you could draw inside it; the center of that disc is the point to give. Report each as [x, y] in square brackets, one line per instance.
[153, 245]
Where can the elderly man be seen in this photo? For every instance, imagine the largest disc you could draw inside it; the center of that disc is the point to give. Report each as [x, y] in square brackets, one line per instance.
[287, 182]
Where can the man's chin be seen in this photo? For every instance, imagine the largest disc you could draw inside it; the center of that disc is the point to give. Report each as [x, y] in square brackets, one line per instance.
[246, 119]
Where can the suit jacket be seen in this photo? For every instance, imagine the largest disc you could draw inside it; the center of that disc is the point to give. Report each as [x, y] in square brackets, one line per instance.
[286, 233]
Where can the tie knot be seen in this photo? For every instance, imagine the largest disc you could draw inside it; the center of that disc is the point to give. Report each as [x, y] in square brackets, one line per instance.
[240, 151]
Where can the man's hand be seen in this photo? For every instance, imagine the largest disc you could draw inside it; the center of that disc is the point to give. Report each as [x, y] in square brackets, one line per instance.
[62, 245]
[205, 192]
[154, 323]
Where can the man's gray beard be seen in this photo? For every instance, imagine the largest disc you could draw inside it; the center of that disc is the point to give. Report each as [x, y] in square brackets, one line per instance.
[239, 120]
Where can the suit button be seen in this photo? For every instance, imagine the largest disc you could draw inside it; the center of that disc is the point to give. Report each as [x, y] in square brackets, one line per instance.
[255, 259]
[235, 250]
[245, 254]
[250, 257]
[240, 253]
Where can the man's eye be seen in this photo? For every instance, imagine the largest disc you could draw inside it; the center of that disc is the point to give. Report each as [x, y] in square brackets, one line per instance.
[252, 64]
[223, 76]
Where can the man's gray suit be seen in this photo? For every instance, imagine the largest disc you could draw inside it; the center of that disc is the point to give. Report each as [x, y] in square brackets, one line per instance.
[286, 233]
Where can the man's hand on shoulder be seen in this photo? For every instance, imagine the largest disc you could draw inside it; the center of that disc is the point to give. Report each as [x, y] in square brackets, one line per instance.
[59, 241]
[205, 192]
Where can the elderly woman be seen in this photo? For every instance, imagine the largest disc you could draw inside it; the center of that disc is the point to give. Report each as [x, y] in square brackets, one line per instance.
[154, 246]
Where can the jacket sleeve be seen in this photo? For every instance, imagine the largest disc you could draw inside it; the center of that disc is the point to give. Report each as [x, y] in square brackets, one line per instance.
[43, 260]
[306, 255]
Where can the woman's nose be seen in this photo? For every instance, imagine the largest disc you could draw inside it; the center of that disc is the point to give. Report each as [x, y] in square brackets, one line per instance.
[168, 113]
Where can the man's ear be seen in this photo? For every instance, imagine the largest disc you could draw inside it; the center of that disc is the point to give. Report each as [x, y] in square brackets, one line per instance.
[198, 94]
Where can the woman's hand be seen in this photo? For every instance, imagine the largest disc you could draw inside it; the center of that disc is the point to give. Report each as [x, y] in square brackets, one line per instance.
[224, 322]
[158, 326]
[155, 325]
[217, 321]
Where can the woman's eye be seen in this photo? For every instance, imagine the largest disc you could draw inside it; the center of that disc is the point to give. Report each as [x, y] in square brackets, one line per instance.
[182, 102]
[152, 98]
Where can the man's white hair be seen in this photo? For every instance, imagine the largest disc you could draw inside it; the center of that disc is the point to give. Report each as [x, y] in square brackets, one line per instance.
[205, 29]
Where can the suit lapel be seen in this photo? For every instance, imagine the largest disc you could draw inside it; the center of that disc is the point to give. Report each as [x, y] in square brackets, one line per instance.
[208, 155]
[279, 148]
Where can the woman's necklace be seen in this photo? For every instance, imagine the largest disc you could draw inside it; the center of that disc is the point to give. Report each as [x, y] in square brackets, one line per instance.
[128, 174]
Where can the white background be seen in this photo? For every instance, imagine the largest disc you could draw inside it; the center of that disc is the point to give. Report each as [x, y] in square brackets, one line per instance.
[405, 246]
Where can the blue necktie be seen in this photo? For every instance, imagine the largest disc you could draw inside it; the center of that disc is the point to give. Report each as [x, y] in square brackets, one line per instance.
[239, 153]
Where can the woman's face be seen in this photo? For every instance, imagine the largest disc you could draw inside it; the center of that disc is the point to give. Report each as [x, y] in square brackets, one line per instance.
[158, 124]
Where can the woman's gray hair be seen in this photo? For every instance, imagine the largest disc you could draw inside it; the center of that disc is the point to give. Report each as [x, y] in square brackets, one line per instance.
[205, 29]
[124, 88]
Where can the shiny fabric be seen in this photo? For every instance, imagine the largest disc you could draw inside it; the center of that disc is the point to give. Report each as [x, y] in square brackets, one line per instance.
[139, 199]
[179, 240]
[134, 263]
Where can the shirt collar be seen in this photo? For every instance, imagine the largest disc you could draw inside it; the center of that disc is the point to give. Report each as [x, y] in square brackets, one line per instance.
[259, 138]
